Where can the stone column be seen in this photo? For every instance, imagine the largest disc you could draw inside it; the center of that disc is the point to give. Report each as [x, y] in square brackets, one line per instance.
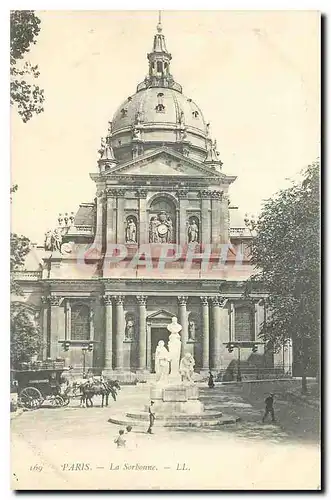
[205, 217]
[108, 340]
[143, 222]
[288, 357]
[224, 219]
[205, 333]
[258, 319]
[216, 217]
[142, 299]
[92, 321]
[120, 217]
[99, 230]
[120, 332]
[232, 322]
[183, 204]
[111, 218]
[54, 334]
[67, 333]
[45, 327]
[183, 321]
[216, 335]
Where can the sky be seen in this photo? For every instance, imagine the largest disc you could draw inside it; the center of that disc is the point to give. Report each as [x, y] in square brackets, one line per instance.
[254, 74]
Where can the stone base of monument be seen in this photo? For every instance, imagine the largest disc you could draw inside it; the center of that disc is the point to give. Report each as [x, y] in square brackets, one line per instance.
[175, 406]
[178, 398]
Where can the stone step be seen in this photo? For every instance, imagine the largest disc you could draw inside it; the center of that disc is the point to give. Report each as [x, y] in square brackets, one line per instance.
[185, 421]
[175, 416]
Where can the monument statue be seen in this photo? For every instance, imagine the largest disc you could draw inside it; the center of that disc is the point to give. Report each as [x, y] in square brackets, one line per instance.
[174, 346]
[161, 362]
[186, 368]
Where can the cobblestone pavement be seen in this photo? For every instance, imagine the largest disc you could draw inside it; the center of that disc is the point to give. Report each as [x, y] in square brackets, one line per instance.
[246, 455]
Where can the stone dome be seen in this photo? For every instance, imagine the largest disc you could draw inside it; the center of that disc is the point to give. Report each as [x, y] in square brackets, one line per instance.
[159, 114]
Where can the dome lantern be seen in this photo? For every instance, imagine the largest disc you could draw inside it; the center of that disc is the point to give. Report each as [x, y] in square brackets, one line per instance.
[159, 64]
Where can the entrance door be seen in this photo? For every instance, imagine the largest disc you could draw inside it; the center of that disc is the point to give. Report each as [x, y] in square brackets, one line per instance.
[157, 334]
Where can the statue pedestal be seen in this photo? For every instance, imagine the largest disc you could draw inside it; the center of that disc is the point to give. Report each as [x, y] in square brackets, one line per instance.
[177, 398]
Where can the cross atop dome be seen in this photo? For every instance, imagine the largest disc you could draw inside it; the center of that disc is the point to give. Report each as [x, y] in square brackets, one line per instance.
[159, 25]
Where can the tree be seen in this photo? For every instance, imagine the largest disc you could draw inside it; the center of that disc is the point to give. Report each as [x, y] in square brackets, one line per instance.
[28, 97]
[26, 339]
[286, 256]
[25, 335]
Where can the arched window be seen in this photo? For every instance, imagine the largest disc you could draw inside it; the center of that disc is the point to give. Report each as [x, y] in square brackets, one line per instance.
[80, 322]
[159, 66]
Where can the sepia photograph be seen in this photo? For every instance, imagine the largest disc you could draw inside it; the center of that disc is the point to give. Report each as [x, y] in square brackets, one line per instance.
[165, 250]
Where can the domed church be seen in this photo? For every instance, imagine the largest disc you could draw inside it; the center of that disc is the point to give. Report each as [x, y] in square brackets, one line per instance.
[159, 240]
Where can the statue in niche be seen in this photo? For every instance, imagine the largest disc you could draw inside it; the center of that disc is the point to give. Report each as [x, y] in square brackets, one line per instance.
[186, 368]
[193, 231]
[129, 329]
[131, 231]
[162, 360]
[191, 329]
[161, 228]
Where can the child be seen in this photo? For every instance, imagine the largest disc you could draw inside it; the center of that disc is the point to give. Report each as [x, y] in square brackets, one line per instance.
[120, 441]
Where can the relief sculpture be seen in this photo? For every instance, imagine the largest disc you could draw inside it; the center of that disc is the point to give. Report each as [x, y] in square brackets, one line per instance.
[161, 228]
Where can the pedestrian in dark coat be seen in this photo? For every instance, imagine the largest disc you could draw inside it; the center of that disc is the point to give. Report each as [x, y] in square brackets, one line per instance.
[151, 417]
[211, 384]
[269, 408]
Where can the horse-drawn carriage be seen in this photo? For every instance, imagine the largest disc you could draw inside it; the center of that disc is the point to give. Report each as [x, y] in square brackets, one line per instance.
[40, 382]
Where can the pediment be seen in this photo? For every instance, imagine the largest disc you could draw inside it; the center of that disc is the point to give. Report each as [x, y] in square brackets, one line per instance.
[164, 162]
[161, 314]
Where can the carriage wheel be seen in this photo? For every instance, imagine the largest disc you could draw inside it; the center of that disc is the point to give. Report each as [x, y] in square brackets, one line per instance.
[57, 401]
[66, 400]
[30, 398]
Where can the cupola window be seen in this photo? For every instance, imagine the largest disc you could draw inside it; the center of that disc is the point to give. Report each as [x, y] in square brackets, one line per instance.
[195, 114]
[124, 112]
[160, 107]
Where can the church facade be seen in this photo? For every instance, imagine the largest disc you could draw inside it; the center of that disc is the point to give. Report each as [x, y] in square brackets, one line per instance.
[157, 242]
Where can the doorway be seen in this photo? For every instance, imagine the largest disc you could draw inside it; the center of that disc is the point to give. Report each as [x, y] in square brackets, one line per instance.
[157, 335]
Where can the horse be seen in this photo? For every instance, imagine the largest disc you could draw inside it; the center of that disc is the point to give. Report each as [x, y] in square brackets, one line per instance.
[98, 386]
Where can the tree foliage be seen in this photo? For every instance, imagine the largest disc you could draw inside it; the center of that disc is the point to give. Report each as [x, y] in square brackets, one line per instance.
[286, 255]
[28, 97]
[25, 335]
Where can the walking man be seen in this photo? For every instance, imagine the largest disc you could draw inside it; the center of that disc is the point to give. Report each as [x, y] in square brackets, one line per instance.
[151, 417]
[269, 408]
[211, 384]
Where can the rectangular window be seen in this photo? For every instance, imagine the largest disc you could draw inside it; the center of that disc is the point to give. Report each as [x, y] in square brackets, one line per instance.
[80, 322]
[244, 324]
